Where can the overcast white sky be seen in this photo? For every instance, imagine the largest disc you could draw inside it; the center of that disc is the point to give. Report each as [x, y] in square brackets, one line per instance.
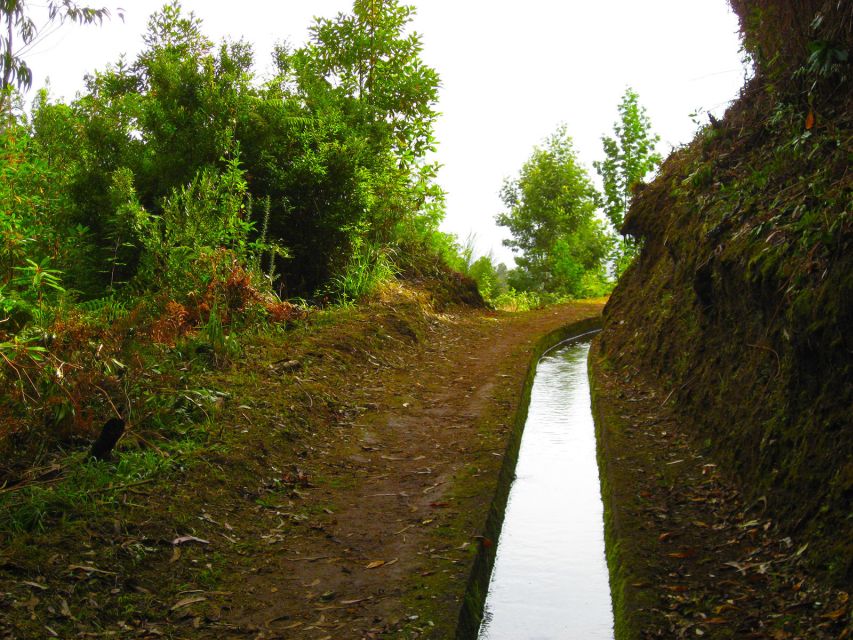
[511, 72]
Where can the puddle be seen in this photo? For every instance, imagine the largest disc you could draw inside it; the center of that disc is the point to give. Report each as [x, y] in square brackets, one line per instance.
[550, 577]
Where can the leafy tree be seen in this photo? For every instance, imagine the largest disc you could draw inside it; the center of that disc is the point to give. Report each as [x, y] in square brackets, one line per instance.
[629, 157]
[373, 102]
[19, 25]
[142, 131]
[551, 216]
[335, 143]
[490, 278]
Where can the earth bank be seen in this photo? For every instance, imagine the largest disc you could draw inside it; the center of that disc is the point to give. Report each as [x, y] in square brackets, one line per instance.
[730, 336]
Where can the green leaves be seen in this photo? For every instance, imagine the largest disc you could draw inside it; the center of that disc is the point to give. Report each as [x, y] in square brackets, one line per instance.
[18, 25]
[551, 216]
[357, 176]
[629, 157]
[37, 277]
[141, 170]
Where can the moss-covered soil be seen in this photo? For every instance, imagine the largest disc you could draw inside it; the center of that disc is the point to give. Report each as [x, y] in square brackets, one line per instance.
[335, 484]
[689, 554]
[737, 313]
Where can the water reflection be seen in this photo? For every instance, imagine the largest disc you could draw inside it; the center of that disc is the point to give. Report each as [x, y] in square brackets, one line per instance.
[550, 577]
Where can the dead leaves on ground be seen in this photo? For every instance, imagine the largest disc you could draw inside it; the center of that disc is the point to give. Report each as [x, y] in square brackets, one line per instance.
[717, 566]
[375, 564]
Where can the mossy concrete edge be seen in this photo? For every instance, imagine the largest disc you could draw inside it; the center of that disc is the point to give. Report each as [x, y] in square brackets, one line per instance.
[471, 613]
[625, 599]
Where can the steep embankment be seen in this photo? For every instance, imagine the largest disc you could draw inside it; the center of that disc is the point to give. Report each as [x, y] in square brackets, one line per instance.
[740, 307]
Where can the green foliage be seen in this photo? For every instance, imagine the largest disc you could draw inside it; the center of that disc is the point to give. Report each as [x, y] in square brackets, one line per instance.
[128, 211]
[551, 216]
[367, 269]
[335, 143]
[18, 25]
[89, 487]
[491, 279]
[223, 344]
[630, 157]
[513, 300]
[371, 104]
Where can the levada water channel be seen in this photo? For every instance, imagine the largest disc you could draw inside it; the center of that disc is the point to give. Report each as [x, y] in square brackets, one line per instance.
[550, 576]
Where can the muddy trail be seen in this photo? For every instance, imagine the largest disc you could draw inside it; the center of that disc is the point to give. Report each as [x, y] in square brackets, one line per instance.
[341, 491]
[404, 493]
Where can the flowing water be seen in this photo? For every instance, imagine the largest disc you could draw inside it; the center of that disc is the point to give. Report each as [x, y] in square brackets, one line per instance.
[550, 578]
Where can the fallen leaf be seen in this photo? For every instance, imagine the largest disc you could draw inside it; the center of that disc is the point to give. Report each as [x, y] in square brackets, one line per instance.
[80, 567]
[180, 604]
[665, 536]
[183, 539]
[835, 615]
[725, 607]
[64, 608]
[37, 585]
[375, 564]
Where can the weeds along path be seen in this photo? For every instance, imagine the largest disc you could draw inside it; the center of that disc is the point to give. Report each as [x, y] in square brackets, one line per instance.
[341, 492]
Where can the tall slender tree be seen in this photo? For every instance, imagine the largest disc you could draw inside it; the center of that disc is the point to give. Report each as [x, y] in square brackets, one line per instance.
[551, 216]
[629, 157]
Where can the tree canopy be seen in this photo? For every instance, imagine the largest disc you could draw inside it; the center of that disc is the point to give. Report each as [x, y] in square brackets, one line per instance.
[550, 213]
[335, 142]
[630, 157]
[20, 27]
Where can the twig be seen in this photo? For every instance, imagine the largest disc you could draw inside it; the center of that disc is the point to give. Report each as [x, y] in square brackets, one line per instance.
[310, 399]
[32, 483]
[121, 486]
[773, 351]
[107, 396]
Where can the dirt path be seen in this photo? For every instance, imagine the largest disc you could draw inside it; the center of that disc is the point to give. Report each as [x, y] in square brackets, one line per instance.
[342, 488]
[370, 528]
[334, 483]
